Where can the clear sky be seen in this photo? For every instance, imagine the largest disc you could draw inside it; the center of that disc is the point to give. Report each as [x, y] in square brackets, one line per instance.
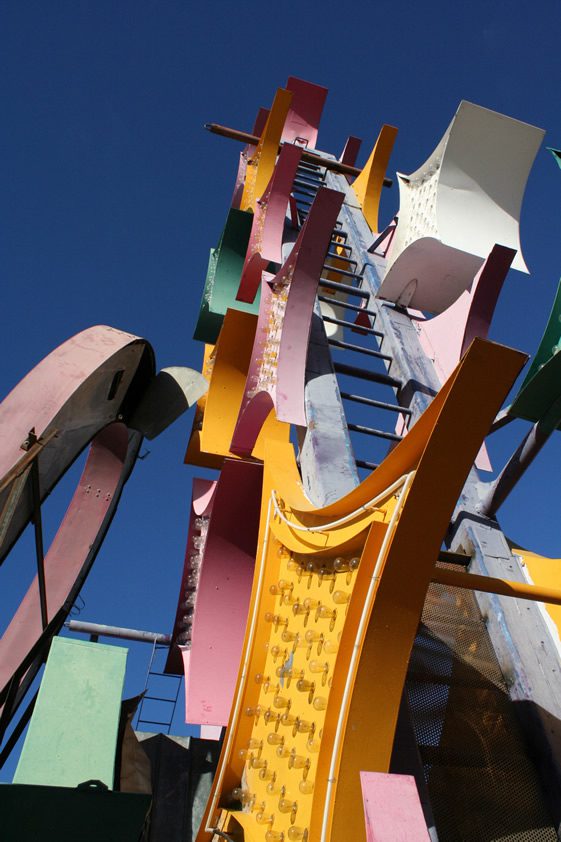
[113, 193]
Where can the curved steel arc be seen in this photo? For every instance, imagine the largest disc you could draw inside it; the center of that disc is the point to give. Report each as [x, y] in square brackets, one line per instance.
[78, 389]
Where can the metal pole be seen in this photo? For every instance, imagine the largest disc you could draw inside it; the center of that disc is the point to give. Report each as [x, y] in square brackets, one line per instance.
[36, 500]
[310, 157]
[489, 584]
[117, 631]
[521, 459]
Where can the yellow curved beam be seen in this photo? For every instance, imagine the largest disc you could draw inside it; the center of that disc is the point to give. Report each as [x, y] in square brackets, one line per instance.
[262, 163]
[297, 722]
[232, 354]
[368, 185]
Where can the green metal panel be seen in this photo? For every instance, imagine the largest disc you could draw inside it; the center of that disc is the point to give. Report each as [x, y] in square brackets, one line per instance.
[223, 277]
[72, 735]
[542, 384]
[59, 814]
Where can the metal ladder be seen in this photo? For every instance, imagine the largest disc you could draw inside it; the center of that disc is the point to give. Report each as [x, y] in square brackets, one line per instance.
[167, 704]
[309, 179]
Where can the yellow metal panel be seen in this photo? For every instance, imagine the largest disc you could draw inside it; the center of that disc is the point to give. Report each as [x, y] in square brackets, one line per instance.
[262, 163]
[368, 185]
[232, 354]
[333, 617]
[194, 454]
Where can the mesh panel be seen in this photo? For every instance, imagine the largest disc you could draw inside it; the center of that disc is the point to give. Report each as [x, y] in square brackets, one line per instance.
[481, 783]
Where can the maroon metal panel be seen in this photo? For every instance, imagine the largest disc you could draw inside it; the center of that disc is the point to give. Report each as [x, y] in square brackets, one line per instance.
[350, 151]
[302, 122]
[265, 240]
[202, 496]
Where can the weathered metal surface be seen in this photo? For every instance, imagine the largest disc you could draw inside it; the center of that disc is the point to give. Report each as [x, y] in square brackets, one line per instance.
[276, 373]
[265, 240]
[77, 389]
[172, 391]
[74, 547]
[72, 736]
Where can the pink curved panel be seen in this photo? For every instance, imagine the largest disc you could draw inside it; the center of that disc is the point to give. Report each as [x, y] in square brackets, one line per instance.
[258, 127]
[276, 375]
[223, 594]
[74, 546]
[76, 390]
[302, 122]
[265, 240]
[446, 337]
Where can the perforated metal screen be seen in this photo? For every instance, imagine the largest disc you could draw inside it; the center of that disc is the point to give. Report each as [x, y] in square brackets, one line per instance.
[481, 782]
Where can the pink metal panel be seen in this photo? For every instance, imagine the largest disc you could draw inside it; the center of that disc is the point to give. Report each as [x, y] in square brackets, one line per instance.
[302, 122]
[446, 337]
[265, 240]
[392, 808]
[286, 307]
[87, 516]
[76, 390]
[223, 594]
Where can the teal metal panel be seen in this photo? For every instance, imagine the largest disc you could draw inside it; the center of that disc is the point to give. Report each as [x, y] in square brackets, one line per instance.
[541, 386]
[223, 277]
[72, 735]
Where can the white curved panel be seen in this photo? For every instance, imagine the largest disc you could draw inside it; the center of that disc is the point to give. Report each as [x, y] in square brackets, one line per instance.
[465, 198]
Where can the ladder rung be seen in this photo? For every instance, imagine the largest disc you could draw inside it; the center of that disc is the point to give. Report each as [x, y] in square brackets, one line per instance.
[348, 346]
[343, 323]
[361, 293]
[304, 191]
[160, 699]
[378, 404]
[366, 374]
[339, 233]
[308, 185]
[370, 431]
[343, 257]
[361, 463]
[153, 722]
[343, 272]
[347, 305]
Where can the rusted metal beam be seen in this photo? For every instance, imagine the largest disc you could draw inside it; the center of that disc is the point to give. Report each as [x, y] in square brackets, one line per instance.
[12, 501]
[489, 584]
[309, 157]
[32, 449]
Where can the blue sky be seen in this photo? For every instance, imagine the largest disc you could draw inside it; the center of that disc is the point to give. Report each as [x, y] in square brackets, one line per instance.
[113, 193]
